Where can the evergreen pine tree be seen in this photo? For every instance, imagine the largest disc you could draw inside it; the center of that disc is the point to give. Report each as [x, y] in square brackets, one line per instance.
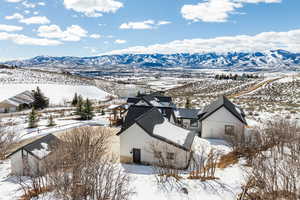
[87, 112]
[51, 121]
[79, 108]
[33, 119]
[75, 100]
[40, 101]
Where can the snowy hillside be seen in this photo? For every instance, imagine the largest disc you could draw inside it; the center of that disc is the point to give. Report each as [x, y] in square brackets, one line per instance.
[58, 87]
[57, 93]
[273, 60]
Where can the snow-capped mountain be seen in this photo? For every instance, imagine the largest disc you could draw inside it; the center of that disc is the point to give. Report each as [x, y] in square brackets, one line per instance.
[276, 60]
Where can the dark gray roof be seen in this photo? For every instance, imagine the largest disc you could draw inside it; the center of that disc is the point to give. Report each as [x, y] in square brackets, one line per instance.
[186, 113]
[153, 117]
[37, 145]
[133, 100]
[222, 101]
[164, 101]
[133, 113]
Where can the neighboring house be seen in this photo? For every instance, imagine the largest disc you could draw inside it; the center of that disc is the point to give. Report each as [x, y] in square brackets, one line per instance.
[150, 134]
[28, 159]
[221, 118]
[143, 103]
[188, 118]
[15, 103]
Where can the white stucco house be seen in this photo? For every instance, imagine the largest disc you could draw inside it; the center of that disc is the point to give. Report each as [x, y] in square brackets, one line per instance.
[19, 101]
[155, 119]
[28, 159]
[220, 119]
[150, 134]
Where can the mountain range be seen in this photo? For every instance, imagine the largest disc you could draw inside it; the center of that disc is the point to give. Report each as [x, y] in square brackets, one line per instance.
[272, 60]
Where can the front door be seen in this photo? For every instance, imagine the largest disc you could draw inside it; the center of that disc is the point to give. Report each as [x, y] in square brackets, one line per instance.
[136, 155]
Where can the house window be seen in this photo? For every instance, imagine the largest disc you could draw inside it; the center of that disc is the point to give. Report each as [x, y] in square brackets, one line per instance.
[194, 123]
[229, 130]
[170, 156]
[157, 154]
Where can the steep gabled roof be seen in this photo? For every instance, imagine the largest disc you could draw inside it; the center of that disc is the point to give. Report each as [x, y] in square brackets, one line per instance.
[220, 102]
[41, 147]
[155, 125]
[133, 113]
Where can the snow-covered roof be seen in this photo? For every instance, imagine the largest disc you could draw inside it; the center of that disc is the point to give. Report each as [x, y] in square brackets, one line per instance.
[171, 132]
[25, 97]
[157, 126]
[41, 147]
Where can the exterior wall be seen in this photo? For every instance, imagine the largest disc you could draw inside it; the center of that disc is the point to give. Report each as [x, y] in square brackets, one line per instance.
[214, 125]
[16, 163]
[8, 108]
[136, 137]
[18, 166]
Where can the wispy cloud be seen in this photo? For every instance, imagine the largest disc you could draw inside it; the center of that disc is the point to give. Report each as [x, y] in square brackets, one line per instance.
[10, 28]
[14, 16]
[72, 33]
[35, 20]
[119, 41]
[148, 24]
[21, 39]
[264, 41]
[216, 10]
[95, 36]
[92, 8]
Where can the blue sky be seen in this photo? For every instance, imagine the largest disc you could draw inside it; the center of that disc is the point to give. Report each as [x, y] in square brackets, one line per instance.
[93, 27]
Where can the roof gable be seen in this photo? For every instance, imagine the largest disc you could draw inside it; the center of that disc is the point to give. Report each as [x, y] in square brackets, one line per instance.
[41, 147]
[153, 118]
[220, 102]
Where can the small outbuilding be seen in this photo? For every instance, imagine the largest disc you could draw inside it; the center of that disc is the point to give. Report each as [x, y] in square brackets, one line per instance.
[28, 159]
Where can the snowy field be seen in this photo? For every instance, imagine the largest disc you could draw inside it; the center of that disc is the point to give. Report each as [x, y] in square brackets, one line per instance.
[57, 93]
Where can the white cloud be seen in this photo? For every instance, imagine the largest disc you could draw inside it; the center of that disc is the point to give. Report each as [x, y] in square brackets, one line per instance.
[25, 40]
[35, 12]
[216, 10]
[14, 16]
[14, 1]
[10, 28]
[264, 41]
[27, 11]
[95, 36]
[148, 24]
[35, 20]
[118, 41]
[41, 3]
[163, 22]
[72, 33]
[28, 5]
[93, 8]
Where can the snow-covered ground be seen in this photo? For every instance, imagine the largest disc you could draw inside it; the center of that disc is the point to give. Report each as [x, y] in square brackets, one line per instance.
[57, 93]
[143, 181]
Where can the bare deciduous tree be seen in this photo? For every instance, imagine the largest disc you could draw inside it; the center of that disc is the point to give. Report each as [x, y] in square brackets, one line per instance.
[7, 138]
[276, 166]
[83, 168]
